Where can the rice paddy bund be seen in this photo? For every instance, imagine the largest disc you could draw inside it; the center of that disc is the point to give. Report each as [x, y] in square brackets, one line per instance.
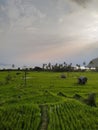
[46, 101]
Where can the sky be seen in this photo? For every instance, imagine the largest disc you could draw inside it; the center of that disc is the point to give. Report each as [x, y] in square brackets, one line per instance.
[33, 32]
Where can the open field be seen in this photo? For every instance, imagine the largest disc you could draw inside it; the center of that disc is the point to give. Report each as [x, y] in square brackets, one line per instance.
[46, 101]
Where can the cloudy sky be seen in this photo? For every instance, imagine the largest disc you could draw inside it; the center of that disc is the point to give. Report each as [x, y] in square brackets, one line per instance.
[33, 32]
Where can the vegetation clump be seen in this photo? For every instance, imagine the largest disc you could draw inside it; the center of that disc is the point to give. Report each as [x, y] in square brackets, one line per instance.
[61, 94]
[77, 96]
[18, 73]
[91, 100]
[63, 76]
[82, 80]
[8, 78]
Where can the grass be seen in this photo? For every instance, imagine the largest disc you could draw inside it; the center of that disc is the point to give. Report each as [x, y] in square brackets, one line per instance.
[42, 88]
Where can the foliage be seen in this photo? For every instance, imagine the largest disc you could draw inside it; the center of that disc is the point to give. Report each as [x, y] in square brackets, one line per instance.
[8, 78]
[72, 115]
[23, 117]
[91, 99]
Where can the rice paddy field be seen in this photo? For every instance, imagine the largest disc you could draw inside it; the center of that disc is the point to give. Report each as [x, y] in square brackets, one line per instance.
[45, 101]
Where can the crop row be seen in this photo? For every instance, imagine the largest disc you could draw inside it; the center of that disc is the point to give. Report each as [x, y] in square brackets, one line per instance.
[19, 118]
[72, 116]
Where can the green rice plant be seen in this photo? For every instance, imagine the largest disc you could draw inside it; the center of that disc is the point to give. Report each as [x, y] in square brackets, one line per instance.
[20, 118]
[71, 115]
[19, 105]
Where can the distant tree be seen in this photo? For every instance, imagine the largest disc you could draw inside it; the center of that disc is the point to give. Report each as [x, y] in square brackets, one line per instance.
[44, 65]
[84, 63]
[69, 67]
[18, 68]
[55, 67]
[37, 68]
[65, 64]
[60, 66]
[97, 69]
[49, 66]
[30, 69]
[91, 62]
[13, 66]
[78, 66]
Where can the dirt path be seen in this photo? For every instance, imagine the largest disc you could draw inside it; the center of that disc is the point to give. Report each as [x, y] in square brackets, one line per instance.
[44, 118]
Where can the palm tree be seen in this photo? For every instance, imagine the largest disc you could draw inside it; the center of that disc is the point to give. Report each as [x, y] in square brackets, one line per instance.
[78, 66]
[44, 66]
[65, 64]
[84, 63]
[49, 66]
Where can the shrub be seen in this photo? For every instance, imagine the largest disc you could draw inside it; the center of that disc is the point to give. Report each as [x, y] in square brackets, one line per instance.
[77, 96]
[61, 94]
[91, 100]
[82, 80]
[63, 76]
[8, 78]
